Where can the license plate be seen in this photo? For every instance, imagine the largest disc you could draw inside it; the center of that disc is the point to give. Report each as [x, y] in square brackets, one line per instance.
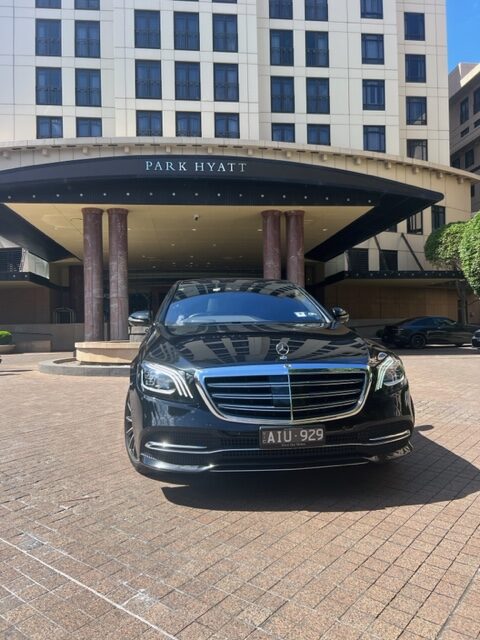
[291, 437]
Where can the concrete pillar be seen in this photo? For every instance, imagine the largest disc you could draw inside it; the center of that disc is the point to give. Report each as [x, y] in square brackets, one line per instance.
[295, 247]
[118, 273]
[272, 259]
[93, 273]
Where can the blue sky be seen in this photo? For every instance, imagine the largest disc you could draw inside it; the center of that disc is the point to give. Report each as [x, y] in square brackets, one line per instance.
[463, 20]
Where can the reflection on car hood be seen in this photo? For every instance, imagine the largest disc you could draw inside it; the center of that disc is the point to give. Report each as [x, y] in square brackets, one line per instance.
[198, 346]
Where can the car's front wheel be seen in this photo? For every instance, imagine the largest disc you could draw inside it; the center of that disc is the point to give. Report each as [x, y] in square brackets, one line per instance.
[130, 443]
[418, 341]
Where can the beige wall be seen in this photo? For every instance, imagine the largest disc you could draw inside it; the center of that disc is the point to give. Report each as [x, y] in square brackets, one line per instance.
[364, 301]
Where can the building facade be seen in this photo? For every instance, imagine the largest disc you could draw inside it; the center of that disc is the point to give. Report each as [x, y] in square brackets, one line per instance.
[195, 118]
[464, 88]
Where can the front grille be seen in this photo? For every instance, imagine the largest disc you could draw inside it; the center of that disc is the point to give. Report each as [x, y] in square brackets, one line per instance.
[288, 395]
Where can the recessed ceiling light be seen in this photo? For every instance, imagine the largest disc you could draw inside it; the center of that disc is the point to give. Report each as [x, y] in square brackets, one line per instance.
[193, 229]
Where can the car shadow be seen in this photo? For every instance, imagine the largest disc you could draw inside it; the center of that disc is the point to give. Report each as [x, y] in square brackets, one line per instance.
[430, 474]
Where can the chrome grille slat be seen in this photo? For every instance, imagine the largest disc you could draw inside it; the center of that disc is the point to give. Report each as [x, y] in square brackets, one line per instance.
[296, 393]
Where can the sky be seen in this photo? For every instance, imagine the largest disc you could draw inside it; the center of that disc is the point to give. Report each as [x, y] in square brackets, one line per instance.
[463, 20]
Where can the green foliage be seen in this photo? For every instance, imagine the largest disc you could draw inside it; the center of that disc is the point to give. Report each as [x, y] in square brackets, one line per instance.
[442, 247]
[470, 253]
[5, 337]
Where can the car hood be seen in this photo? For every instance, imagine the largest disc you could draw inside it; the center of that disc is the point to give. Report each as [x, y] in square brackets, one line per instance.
[202, 346]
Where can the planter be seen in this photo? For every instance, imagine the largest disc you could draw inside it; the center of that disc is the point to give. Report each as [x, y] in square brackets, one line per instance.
[7, 348]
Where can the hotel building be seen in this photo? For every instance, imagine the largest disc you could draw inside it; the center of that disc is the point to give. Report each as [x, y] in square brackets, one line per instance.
[151, 140]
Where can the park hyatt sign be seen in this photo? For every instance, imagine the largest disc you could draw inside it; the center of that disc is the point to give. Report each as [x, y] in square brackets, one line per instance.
[195, 166]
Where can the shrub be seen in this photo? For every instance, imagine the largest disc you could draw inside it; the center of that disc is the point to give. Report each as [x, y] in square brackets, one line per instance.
[5, 337]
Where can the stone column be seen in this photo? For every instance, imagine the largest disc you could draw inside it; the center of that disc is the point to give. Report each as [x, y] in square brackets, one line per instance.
[118, 273]
[272, 260]
[93, 273]
[295, 247]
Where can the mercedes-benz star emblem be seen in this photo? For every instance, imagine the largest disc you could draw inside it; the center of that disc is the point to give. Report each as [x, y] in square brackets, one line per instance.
[282, 349]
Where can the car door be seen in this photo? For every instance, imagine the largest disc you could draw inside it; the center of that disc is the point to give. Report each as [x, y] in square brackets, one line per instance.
[450, 332]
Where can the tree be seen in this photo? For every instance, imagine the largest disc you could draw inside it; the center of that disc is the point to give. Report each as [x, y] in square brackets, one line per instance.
[442, 249]
[469, 252]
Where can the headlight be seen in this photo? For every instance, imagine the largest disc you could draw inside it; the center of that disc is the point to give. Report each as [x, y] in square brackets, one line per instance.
[163, 380]
[390, 373]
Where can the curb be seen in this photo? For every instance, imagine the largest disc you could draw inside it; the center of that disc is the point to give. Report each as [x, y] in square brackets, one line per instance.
[70, 367]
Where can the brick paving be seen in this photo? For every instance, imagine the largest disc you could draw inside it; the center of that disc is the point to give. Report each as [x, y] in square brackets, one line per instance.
[90, 549]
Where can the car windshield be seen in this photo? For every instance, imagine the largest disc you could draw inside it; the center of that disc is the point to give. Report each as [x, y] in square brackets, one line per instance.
[218, 303]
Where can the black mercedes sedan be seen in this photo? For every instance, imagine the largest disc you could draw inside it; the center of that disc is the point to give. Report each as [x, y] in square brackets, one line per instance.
[238, 375]
[476, 339]
[418, 332]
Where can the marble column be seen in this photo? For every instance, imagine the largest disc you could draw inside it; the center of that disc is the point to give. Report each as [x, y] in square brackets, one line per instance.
[118, 273]
[295, 247]
[272, 259]
[93, 273]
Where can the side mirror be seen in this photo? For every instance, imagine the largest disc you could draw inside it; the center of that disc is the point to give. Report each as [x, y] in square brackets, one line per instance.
[340, 314]
[140, 319]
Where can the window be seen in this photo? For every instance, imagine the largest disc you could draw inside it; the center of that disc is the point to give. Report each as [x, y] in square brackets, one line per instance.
[281, 9]
[48, 4]
[318, 99]
[476, 100]
[149, 123]
[283, 132]
[88, 88]
[472, 191]
[48, 40]
[374, 138]
[283, 100]
[372, 48]
[316, 48]
[414, 26]
[316, 10]
[48, 85]
[87, 39]
[89, 127]
[187, 35]
[49, 127]
[415, 68]
[148, 79]
[226, 82]
[416, 110]
[189, 124]
[226, 1]
[469, 158]
[455, 162]
[388, 260]
[227, 125]
[415, 223]
[225, 36]
[147, 29]
[464, 132]
[187, 81]
[371, 9]
[318, 134]
[374, 95]
[358, 260]
[87, 4]
[464, 111]
[438, 216]
[281, 47]
[417, 149]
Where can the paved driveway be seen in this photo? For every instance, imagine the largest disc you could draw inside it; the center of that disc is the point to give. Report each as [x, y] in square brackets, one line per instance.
[90, 549]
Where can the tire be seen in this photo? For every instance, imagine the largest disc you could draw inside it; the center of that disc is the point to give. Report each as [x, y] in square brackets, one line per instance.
[418, 341]
[130, 444]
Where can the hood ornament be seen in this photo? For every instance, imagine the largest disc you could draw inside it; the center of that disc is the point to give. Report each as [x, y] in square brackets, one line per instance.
[282, 349]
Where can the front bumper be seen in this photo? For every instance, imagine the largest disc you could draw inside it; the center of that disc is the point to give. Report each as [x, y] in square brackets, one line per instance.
[188, 438]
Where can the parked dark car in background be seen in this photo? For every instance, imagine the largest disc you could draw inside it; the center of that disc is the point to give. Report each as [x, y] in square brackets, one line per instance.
[255, 375]
[418, 332]
[476, 339]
